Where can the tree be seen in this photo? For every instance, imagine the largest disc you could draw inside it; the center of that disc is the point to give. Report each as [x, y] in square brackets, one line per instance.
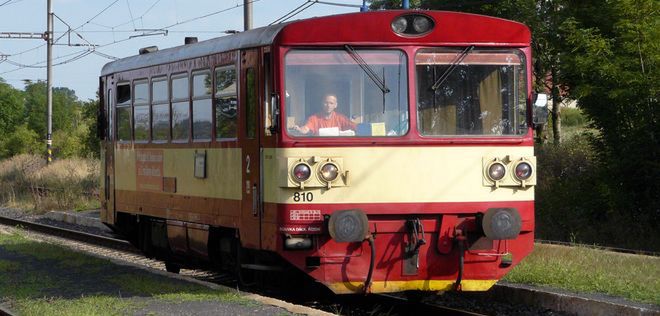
[91, 144]
[74, 122]
[66, 108]
[613, 72]
[22, 140]
[11, 108]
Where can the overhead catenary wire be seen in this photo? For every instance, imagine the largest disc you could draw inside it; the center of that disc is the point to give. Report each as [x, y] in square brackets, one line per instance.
[165, 28]
[37, 65]
[81, 54]
[133, 19]
[88, 21]
[87, 52]
[294, 12]
[130, 13]
[208, 15]
[338, 4]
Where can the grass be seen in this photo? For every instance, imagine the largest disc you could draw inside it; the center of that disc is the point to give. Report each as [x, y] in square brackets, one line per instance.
[590, 270]
[37, 278]
[26, 182]
[84, 306]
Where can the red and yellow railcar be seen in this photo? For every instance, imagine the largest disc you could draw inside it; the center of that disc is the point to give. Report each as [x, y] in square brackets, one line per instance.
[381, 151]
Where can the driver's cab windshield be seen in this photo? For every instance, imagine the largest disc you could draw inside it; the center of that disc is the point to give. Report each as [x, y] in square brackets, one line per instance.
[346, 93]
[471, 92]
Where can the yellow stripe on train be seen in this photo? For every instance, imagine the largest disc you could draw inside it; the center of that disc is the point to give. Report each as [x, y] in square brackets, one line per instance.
[412, 285]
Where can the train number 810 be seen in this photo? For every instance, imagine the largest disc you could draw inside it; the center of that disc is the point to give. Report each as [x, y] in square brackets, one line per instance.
[303, 197]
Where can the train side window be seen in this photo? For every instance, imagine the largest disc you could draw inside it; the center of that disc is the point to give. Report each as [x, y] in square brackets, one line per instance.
[124, 115]
[109, 109]
[201, 107]
[251, 103]
[160, 110]
[141, 111]
[225, 102]
[180, 108]
[268, 115]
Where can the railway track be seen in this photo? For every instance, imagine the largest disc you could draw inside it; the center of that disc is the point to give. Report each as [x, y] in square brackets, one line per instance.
[113, 243]
[354, 305]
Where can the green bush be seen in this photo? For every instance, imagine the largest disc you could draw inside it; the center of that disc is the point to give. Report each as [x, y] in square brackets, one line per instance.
[573, 117]
[575, 201]
[22, 140]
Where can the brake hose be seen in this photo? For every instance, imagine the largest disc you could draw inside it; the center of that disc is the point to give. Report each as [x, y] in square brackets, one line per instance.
[460, 240]
[372, 245]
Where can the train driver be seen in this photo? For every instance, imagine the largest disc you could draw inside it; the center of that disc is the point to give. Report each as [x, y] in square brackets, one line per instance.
[326, 118]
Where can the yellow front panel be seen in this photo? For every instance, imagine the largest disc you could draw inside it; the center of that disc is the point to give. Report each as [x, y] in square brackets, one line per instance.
[399, 175]
[223, 171]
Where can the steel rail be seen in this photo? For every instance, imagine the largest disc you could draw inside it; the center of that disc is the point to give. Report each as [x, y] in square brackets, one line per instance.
[420, 308]
[113, 243]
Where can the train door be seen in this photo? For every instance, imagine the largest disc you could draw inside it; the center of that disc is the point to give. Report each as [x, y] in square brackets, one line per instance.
[108, 151]
[250, 228]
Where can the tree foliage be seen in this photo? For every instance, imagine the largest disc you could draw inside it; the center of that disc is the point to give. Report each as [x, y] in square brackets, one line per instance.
[612, 70]
[23, 122]
[11, 109]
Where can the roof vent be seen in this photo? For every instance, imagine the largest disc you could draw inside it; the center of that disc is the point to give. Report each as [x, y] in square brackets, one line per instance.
[190, 40]
[148, 49]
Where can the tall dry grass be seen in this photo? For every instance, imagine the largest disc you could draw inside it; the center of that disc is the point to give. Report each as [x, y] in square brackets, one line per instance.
[27, 182]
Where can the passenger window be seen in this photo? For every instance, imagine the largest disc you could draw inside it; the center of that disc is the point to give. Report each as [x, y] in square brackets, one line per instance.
[124, 116]
[201, 108]
[180, 108]
[141, 111]
[225, 102]
[109, 110]
[160, 109]
[251, 103]
[268, 112]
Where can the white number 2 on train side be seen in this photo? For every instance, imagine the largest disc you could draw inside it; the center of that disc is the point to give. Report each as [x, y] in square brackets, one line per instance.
[247, 164]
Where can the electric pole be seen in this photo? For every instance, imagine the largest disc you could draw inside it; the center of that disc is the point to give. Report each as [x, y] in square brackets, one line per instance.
[49, 83]
[247, 14]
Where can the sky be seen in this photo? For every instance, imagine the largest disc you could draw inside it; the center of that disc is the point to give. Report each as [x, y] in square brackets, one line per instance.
[115, 26]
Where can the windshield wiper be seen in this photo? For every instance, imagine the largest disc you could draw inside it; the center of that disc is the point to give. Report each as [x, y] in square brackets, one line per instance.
[367, 69]
[451, 68]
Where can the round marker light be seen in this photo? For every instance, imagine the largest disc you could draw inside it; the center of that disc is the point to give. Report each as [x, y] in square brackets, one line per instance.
[523, 171]
[421, 24]
[329, 172]
[399, 24]
[301, 172]
[496, 171]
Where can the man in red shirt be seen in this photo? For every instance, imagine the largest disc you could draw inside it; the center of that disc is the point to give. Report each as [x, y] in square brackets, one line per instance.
[326, 118]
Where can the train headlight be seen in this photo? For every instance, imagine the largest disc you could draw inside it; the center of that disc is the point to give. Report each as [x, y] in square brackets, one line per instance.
[348, 226]
[421, 24]
[412, 25]
[496, 171]
[329, 172]
[399, 25]
[301, 172]
[523, 171]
